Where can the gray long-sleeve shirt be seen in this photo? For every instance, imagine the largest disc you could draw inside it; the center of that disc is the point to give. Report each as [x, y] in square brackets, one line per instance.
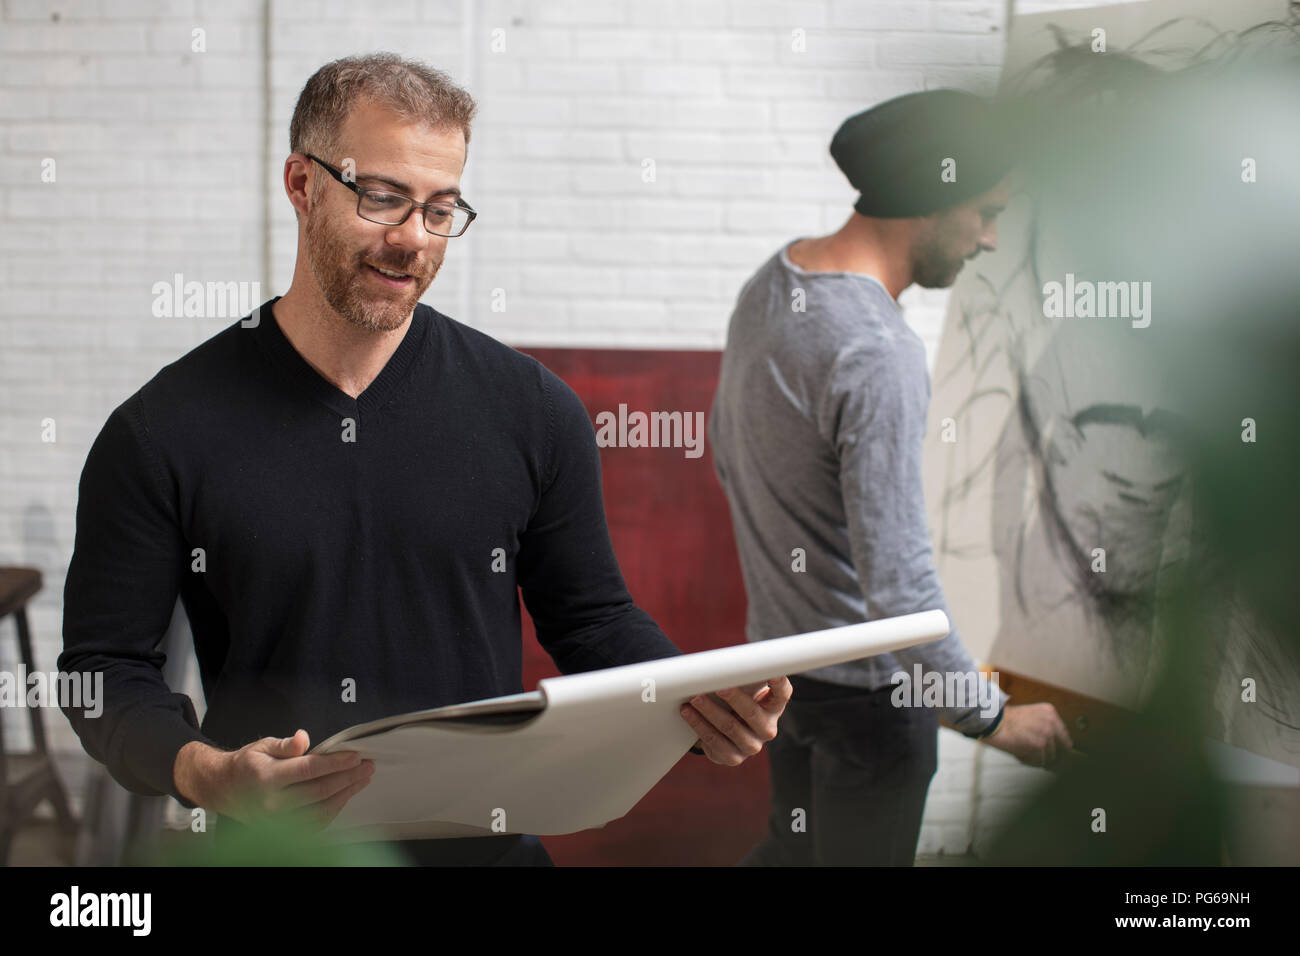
[816, 433]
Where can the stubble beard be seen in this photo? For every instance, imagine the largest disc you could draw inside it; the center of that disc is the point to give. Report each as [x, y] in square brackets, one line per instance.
[339, 274]
[932, 268]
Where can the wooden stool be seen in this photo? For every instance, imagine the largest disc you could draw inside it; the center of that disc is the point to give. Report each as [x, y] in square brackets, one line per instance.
[26, 778]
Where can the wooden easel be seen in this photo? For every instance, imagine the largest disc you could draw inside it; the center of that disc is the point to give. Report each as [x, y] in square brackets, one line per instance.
[1086, 718]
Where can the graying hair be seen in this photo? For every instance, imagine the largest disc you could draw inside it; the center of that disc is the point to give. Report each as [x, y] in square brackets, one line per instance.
[410, 88]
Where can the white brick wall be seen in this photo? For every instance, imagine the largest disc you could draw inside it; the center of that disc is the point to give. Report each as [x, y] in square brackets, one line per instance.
[157, 172]
[160, 169]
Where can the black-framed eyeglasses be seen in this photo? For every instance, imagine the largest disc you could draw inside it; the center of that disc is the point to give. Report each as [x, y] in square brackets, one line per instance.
[393, 209]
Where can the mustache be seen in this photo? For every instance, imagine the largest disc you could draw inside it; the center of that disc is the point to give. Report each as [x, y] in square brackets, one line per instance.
[408, 266]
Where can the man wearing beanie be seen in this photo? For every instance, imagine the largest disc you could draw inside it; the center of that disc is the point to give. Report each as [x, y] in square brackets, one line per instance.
[817, 431]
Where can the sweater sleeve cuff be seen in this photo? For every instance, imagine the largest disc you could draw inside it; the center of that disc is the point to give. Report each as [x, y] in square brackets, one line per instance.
[977, 723]
[152, 743]
[992, 726]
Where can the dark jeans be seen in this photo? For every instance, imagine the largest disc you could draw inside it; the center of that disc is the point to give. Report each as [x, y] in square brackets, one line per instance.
[859, 769]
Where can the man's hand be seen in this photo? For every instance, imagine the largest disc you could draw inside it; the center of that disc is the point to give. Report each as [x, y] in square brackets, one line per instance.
[270, 775]
[733, 724]
[1032, 733]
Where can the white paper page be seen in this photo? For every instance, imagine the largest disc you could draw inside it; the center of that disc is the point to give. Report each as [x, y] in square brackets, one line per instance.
[605, 738]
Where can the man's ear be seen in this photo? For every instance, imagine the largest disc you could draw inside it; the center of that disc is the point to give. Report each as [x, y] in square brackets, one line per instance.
[306, 185]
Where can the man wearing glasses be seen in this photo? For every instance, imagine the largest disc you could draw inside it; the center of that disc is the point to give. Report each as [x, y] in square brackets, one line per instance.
[346, 490]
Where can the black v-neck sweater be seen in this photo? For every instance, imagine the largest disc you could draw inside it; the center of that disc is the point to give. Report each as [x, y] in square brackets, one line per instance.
[339, 559]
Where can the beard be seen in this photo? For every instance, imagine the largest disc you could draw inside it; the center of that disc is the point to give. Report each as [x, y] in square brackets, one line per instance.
[936, 274]
[933, 264]
[933, 268]
[340, 274]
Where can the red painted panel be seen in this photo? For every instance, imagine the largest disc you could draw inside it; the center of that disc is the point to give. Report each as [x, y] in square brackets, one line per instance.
[671, 530]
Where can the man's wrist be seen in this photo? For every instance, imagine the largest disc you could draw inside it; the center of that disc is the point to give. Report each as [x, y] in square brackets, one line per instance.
[191, 770]
[993, 727]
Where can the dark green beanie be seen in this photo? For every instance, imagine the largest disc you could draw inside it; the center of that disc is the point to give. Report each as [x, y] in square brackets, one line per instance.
[894, 153]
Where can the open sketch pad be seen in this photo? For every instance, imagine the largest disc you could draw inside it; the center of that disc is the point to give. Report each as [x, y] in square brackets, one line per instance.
[579, 751]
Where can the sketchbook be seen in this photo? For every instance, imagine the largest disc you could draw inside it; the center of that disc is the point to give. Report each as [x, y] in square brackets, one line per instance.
[579, 751]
